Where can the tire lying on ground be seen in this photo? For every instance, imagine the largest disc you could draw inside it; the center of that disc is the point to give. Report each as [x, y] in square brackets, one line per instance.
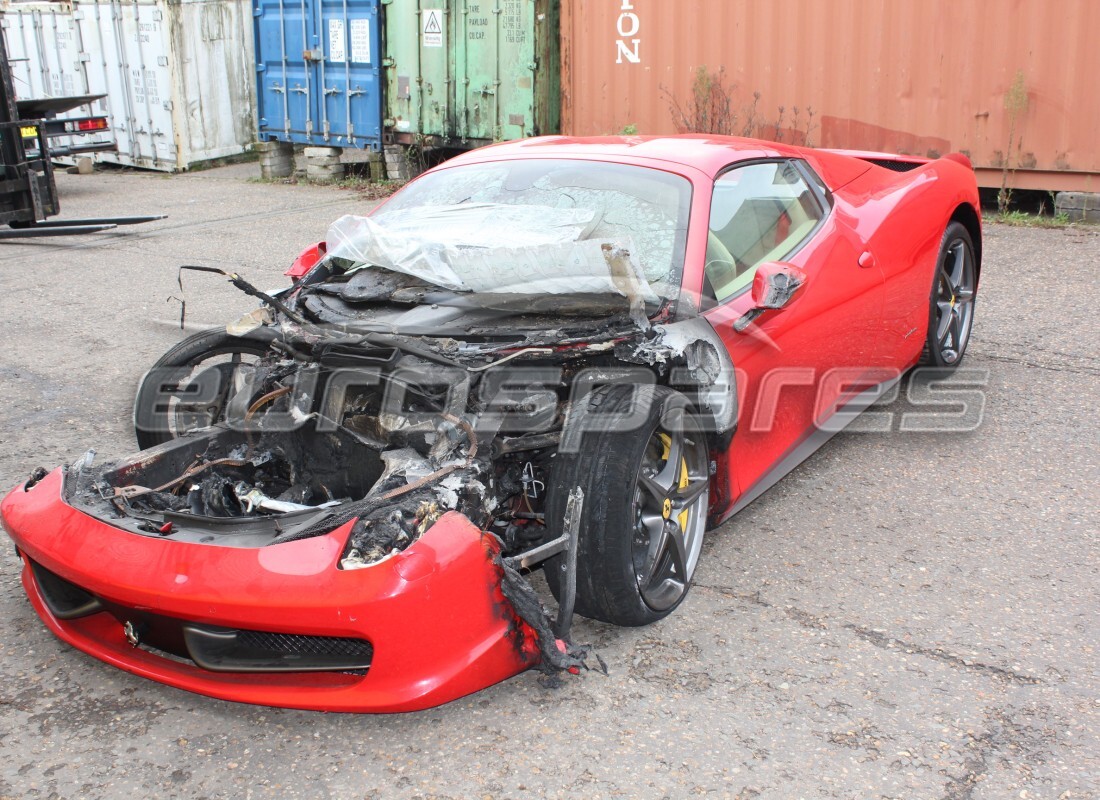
[640, 456]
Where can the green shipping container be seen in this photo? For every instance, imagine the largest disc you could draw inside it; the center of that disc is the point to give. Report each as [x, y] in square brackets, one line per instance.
[462, 73]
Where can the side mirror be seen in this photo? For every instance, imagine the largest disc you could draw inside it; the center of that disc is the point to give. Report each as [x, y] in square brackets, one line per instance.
[773, 285]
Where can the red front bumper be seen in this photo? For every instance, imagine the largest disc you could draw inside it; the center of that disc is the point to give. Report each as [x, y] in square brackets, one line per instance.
[434, 613]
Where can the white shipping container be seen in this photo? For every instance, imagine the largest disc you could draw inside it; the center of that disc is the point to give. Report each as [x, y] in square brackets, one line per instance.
[179, 76]
[43, 44]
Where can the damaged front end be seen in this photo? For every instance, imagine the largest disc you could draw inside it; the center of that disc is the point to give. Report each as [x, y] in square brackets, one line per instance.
[378, 470]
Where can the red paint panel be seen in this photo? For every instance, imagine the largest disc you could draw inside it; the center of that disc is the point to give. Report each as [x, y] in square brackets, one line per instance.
[434, 613]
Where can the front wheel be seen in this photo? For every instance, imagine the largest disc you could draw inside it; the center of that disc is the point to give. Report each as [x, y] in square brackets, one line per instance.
[190, 385]
[642, 463]
[951, 309]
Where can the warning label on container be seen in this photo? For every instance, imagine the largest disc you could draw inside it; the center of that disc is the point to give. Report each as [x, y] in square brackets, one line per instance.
[432, 27]
[360, 41]
[337, 53]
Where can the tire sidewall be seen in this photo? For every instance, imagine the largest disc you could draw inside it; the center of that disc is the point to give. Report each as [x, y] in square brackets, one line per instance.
[189, 352]
[932, 356]
[607, 581]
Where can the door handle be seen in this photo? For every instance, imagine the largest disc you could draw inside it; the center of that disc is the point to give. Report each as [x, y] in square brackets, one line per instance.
[867, 259]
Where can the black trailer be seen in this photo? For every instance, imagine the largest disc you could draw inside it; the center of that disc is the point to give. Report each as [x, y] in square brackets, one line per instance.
[76, 129]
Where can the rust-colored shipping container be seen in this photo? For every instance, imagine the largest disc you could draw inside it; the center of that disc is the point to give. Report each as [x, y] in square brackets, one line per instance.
[1013, 83]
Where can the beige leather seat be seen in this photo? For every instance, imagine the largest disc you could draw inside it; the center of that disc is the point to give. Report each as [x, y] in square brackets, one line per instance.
[763, 229]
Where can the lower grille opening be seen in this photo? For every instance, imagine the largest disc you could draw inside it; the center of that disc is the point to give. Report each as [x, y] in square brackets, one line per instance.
[65, 600]
[294, 644]
[207, 646]
[230, 650]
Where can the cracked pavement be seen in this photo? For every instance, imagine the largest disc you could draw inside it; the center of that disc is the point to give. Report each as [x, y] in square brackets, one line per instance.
[904, 616]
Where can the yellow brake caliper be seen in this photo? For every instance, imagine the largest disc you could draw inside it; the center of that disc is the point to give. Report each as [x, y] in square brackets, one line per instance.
[666, 444]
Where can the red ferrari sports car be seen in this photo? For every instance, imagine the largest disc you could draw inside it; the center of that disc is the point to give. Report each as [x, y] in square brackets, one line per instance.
[573, 355]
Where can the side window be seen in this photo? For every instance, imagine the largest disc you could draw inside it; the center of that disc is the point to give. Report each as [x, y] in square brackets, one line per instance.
[759, 212]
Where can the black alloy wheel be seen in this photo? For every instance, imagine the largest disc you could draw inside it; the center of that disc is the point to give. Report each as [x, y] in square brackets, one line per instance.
[643, 464]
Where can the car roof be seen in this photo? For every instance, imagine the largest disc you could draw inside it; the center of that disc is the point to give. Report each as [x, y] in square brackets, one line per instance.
[707, 153]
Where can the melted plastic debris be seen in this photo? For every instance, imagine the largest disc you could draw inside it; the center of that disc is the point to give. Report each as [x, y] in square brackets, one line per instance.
[37, 474]
[375, 539]
[447, 491]
[672, 341]
[629, 281]
[461, 487]
[387, 530]
[403, 465]
[555, 659]
[84, 462]
[251, 321]
[691, 345]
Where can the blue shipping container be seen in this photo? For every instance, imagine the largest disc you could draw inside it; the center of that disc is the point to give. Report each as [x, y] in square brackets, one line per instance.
[317, 72]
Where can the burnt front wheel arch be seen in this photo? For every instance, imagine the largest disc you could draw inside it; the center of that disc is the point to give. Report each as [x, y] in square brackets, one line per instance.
[640, 455]
[214, 352]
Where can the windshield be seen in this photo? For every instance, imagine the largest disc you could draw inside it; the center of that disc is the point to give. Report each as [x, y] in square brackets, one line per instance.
[532, 226]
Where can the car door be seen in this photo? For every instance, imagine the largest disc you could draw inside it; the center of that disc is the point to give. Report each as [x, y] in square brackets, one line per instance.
[793, 363]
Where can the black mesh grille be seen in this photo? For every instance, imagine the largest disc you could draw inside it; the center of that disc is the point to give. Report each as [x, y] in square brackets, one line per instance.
[896, 166]
[295, 644]
[242, 650]
[213, 648]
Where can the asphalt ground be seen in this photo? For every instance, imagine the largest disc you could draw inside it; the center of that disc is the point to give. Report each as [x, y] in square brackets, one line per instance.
[907, 615]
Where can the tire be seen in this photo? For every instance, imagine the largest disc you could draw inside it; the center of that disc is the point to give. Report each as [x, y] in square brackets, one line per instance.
[643, 518]
[210, 354]
[951, 304]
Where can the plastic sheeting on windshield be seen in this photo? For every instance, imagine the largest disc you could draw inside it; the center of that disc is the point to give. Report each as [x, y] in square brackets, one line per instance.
[490, 247]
